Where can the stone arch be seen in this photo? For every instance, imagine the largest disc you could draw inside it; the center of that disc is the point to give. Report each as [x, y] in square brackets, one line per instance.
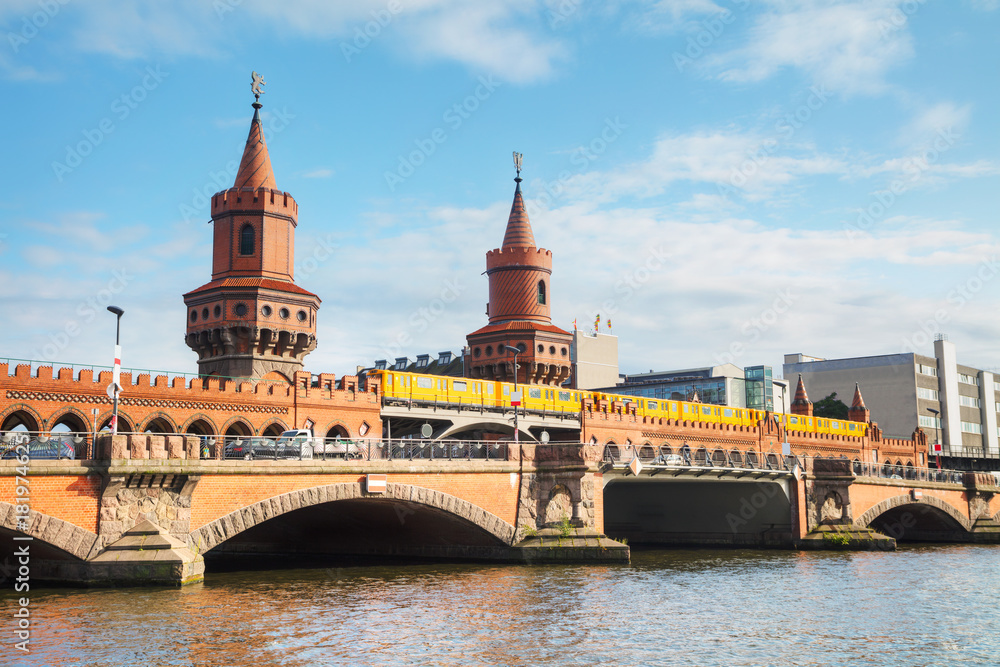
[62, 535]
[18, 414]
[237, 424]
[159, 419]
[216, 532]
[868, 517]
[201, 422]
[273, 428]
[72, 417]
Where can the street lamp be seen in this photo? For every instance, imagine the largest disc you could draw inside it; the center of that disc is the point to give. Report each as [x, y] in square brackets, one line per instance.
[116, 376]
[937, 426]
[516, 395]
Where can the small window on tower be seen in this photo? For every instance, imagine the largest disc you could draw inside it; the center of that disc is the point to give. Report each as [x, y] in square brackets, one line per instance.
[541, 292]
[246, 240]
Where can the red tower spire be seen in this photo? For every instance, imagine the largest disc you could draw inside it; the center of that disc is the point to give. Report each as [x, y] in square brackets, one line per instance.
[519, 309]
[518, 234]
[801, 405]
[858, 412]
[255, 167]
[252, 320]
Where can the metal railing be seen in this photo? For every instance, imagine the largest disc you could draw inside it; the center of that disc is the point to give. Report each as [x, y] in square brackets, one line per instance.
[80, 446]
[883, 471]
[685, 457]
[482, 408]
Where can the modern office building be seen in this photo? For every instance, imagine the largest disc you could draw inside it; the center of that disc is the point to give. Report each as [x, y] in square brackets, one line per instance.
[954, 404]
[753, 387]
[594, 358]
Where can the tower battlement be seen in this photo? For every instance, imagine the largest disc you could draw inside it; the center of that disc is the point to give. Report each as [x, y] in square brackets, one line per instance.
[256, 200]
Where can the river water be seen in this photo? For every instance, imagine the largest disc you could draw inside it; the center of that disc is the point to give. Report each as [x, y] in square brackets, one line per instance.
[932, 605]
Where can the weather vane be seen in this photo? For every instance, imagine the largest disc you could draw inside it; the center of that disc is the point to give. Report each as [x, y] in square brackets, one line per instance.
[518, 157]
[257, 84]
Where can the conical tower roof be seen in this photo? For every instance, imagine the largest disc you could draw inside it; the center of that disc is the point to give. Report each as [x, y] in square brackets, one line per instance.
[859, 402]
[518, 234]
[255, 167]
[801, 398]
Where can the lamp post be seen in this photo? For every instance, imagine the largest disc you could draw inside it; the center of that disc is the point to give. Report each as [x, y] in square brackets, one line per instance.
[516, 395]
[116, 377]
[937, 425]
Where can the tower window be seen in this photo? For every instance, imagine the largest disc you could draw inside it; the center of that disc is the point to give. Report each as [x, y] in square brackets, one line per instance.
[246, 240]
[541, 292]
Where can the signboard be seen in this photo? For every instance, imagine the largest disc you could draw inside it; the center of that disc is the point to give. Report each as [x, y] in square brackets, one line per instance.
[937, 448]
[515, 398]
[635, 466]
[375, 483]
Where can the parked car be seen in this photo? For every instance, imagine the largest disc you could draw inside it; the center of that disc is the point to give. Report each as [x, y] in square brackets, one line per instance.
[669, 460]
[336, 447]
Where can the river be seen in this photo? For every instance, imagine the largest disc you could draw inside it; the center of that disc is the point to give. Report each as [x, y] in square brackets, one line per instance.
[931, 605]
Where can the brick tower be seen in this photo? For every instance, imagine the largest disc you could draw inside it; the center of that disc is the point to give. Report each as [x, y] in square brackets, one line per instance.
[858, 412]
[252, 320]
[519, 310]
[801, 405]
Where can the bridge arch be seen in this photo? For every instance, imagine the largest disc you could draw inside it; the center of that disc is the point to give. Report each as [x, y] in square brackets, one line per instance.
[159, 422]
[216, 532]
[273, 428]
[20, 414]
[61, 535]
[895, 502]
[200, 424]
[237, 426]
[74, 419]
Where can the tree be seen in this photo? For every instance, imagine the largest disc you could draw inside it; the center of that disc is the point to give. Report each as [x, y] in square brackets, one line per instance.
[830, 407]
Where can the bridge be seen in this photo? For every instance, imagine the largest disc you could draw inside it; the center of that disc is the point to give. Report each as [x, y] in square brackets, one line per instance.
[656, 496]
[147, 509]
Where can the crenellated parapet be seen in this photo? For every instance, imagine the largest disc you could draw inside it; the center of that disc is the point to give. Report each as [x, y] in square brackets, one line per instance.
[255, 200]
[186, 405]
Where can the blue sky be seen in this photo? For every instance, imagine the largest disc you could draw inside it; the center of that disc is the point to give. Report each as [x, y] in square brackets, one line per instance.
[727, 181]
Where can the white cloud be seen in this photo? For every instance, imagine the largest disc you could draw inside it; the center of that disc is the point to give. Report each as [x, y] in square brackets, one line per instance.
[849, 47]
[507, 39]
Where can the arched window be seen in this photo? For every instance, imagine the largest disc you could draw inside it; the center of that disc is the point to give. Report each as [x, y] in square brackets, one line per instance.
[246, 240]
[541, 292]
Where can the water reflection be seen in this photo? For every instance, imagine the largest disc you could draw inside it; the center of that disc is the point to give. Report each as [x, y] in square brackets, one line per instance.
[920, 606]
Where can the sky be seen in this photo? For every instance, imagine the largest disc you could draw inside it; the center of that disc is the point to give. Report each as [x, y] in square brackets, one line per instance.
[725, 181]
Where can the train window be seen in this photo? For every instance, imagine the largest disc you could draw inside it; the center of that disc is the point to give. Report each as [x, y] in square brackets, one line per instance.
[506, 390]
[836, 424]
[809, 421]
[687, 408]
[489, 389]
[652, 405]
[793, 420]
[850, 427]
[460, 386]
[706, 411]
[425, 383]
[728, 412]
[534, 393]
[563, 395]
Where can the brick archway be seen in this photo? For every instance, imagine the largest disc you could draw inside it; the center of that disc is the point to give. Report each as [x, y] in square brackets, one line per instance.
[868, 517]
[57, 533]
[28, 411]
[69, 414]
[215, 533]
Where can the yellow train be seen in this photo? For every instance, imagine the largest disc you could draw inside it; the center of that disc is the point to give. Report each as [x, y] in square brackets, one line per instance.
[401, 386]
